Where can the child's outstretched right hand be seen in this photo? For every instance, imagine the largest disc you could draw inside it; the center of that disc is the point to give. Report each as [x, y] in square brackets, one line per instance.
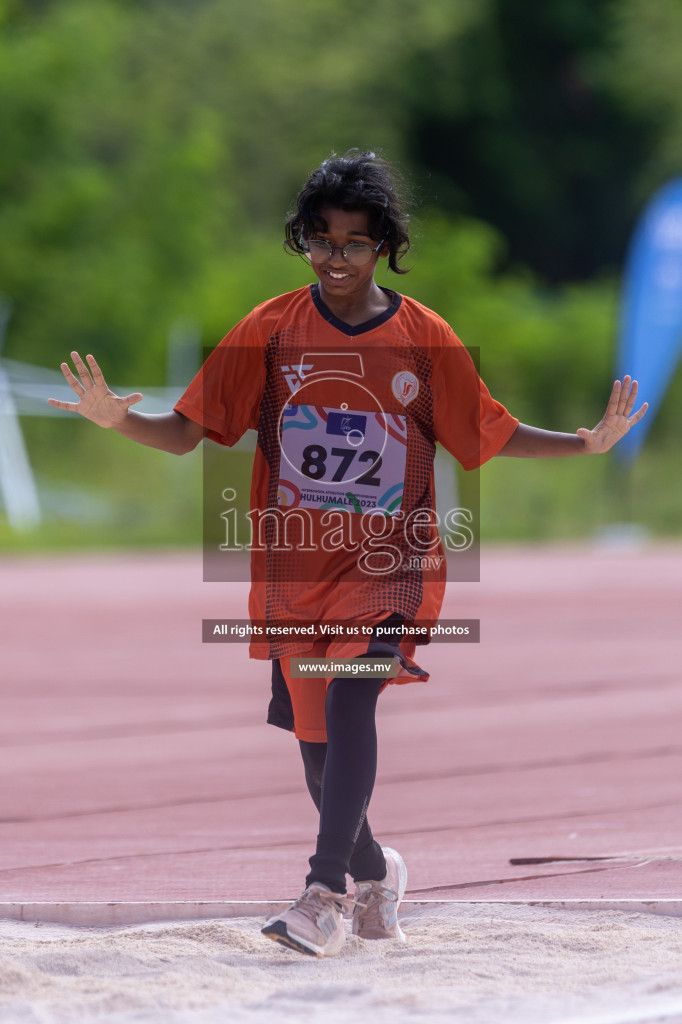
[96, 401]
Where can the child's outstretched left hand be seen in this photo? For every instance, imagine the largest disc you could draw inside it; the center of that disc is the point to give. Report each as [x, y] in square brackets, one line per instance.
[617, 419]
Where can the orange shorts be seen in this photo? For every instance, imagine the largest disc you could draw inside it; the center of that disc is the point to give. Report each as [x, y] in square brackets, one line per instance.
[297, 705]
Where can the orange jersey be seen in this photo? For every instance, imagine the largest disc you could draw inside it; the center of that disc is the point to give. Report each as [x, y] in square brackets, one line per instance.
[342, 492]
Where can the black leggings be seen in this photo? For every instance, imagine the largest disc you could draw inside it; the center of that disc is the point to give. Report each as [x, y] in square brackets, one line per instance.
[340, 777]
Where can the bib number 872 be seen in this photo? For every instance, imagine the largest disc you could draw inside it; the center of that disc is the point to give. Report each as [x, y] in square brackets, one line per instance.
[315, 464]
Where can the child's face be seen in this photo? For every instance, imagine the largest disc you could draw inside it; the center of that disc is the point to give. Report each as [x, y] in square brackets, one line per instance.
[337, 277]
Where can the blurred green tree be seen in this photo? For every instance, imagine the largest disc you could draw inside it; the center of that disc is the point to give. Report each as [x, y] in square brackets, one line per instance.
[151, 149]
[642, 67]
[521, 126]
[146, 147]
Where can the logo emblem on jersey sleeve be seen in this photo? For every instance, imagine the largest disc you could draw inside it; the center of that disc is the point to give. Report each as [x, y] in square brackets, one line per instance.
[405, 387]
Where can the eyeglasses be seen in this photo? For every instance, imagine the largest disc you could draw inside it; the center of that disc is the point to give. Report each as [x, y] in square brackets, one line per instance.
[358, 254]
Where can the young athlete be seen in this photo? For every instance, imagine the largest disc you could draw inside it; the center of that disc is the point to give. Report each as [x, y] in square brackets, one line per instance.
[349, 386]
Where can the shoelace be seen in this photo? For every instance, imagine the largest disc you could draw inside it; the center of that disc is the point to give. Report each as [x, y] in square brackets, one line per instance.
[312, 901]
[370, 904]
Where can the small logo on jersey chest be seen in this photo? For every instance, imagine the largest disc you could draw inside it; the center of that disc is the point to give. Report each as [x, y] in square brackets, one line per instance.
[405, 386]
[294, 375]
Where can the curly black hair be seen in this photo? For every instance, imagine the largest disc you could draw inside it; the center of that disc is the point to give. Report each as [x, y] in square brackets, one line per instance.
[354, 181]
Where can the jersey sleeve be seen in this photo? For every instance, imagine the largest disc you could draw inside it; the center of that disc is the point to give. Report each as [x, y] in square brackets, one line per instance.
[225, 395]
[467, 419]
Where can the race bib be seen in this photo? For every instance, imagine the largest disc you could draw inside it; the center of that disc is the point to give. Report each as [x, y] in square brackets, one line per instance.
[341, 458]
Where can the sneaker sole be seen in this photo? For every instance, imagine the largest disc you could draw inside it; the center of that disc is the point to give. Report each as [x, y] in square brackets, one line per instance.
[277, 931]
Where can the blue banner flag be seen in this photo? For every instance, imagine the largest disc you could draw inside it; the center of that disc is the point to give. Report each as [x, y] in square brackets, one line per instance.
[651, 329]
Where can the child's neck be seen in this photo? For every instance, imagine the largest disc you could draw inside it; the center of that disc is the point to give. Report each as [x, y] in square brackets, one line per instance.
[358, 308]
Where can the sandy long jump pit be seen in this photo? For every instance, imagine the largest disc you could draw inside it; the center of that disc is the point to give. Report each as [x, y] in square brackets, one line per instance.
[150, 818]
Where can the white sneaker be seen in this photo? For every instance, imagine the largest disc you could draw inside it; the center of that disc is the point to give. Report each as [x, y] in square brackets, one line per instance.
[313, 924]
[375, 915]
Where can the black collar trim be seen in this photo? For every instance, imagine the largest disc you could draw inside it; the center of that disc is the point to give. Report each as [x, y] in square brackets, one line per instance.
[353, 329]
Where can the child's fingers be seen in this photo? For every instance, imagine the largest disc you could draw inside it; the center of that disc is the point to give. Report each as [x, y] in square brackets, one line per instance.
[638, 415]
[71, 379]
[97, 374]
[623, 395]
[632, 396]
[614, 399]
[82, 370]
[59, 404]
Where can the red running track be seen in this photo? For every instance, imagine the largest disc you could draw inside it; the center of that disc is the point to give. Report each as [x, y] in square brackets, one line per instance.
[136, 765]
